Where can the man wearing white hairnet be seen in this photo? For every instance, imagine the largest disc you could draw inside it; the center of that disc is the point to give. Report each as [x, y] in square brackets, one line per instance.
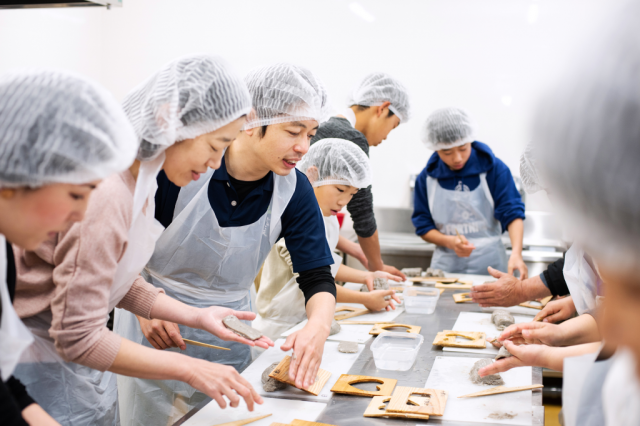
[465, 198]
[222, 227]
[376, 106]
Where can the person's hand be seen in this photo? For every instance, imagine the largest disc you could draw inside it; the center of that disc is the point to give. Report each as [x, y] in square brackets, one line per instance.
[523, 356]
[210, 319]
[536, 333]
[308, 346]
[161, 334]
[516, 263]
[394, 271]
[217, 380]
[370, 276]
[34, 415]
[557, 310]
[375, 300]
[506, 291]
[461, 246]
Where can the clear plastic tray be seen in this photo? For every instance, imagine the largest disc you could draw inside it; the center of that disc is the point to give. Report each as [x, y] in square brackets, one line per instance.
[421, 300]
[396, 351]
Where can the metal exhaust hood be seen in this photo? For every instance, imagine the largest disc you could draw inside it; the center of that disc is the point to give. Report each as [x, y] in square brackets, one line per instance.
[25, 4]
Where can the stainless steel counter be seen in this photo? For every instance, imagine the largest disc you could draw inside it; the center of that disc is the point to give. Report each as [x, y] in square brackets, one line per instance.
[344, 410]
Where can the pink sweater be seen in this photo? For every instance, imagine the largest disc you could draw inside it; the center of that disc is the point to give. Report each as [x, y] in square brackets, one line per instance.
[72, 275]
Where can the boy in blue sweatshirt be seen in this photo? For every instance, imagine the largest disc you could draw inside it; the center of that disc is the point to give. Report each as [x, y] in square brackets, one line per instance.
[465, 198]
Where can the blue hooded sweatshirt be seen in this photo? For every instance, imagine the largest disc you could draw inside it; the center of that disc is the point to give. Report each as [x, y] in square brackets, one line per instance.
[508, 204]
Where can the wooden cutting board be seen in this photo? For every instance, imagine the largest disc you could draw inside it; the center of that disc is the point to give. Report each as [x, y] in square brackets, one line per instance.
[343, 385]
[400, 403]
[281, 374]
[378, 408]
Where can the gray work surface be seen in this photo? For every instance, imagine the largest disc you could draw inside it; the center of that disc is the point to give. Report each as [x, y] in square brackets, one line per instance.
[345, 410]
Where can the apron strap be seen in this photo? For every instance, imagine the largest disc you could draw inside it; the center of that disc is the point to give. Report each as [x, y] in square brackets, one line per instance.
[485, 188]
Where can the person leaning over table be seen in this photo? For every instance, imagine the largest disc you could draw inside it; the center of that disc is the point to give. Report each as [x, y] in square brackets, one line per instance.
[377, 105]
[465, 198]
[66, 287]
[221, 228]
[60, 135]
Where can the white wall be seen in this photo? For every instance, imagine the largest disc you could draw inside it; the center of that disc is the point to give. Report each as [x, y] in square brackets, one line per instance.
[491, 57]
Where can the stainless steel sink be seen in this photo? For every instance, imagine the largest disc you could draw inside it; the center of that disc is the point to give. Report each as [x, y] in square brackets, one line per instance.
[402, 248]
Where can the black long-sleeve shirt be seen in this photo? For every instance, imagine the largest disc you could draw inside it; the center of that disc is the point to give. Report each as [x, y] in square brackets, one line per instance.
[13, 395]
[361, 205]
[553, 278]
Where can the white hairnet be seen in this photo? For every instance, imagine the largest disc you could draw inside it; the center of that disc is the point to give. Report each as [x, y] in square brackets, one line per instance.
[529, 170]
[282, 93]
[336, 162]
[379, 87]
[188, 97]
[57, 127]
[588, 128]
[447, 128]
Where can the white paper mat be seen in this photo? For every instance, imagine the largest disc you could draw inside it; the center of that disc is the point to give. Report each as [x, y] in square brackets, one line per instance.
[281, 410]
[477, 321]
[452, 375]
[382, 316]
[335, 362]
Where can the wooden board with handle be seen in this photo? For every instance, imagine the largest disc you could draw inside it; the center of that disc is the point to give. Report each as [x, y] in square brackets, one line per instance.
[543, 303]
[349, 312]
[502, 389]
[281, 374]
[462, 297]
[343, 385]
[378, 408]
[400, 401]
[379, 328]
[447, 338]
[243, 422]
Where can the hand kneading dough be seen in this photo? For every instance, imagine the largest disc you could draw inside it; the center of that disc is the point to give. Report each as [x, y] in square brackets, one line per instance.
[335, 328]
[269, 384]
[502, 319]
[490, 380]
[240, 328]
[503, 353]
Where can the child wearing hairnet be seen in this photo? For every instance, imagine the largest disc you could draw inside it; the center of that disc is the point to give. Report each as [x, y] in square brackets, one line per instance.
[337, 169]
[465, 198]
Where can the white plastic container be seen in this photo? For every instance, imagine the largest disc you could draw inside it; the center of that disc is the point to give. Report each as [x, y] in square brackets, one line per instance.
[396, 351]
[421, 300]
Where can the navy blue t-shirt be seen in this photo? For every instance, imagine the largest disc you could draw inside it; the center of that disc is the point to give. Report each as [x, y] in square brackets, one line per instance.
[302, 222]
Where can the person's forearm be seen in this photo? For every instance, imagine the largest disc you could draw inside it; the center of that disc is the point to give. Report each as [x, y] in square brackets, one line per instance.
[580, 330]
[345, 295]
[350, 275]
[516, 231]
[145, 363]
[348, 247]
[534, 288]
[168, 309]
[371, 248]
[438, 238]
[320, 310]
[35, 415]
[554, 357]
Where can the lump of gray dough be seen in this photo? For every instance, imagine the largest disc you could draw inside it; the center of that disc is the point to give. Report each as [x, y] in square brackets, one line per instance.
[502, 319]
[432, 272]
[241, 329]
[378, 284]
[348, 347]
[502, 353]
[412, 272]
[490, 380]
[269, 384]
[335, 328]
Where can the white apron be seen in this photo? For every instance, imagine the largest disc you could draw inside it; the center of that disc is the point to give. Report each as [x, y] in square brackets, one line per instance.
[582, 279]
[471, 213]
[14, 335]
[201, 264]
[574, 374]
[71, 393]
[621, 391]
[287, 308]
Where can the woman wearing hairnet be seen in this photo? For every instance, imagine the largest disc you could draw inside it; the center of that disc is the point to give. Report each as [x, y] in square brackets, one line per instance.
[465, 198]
[60, 135]
[337, 169]
[221, 228]
[67, 287]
